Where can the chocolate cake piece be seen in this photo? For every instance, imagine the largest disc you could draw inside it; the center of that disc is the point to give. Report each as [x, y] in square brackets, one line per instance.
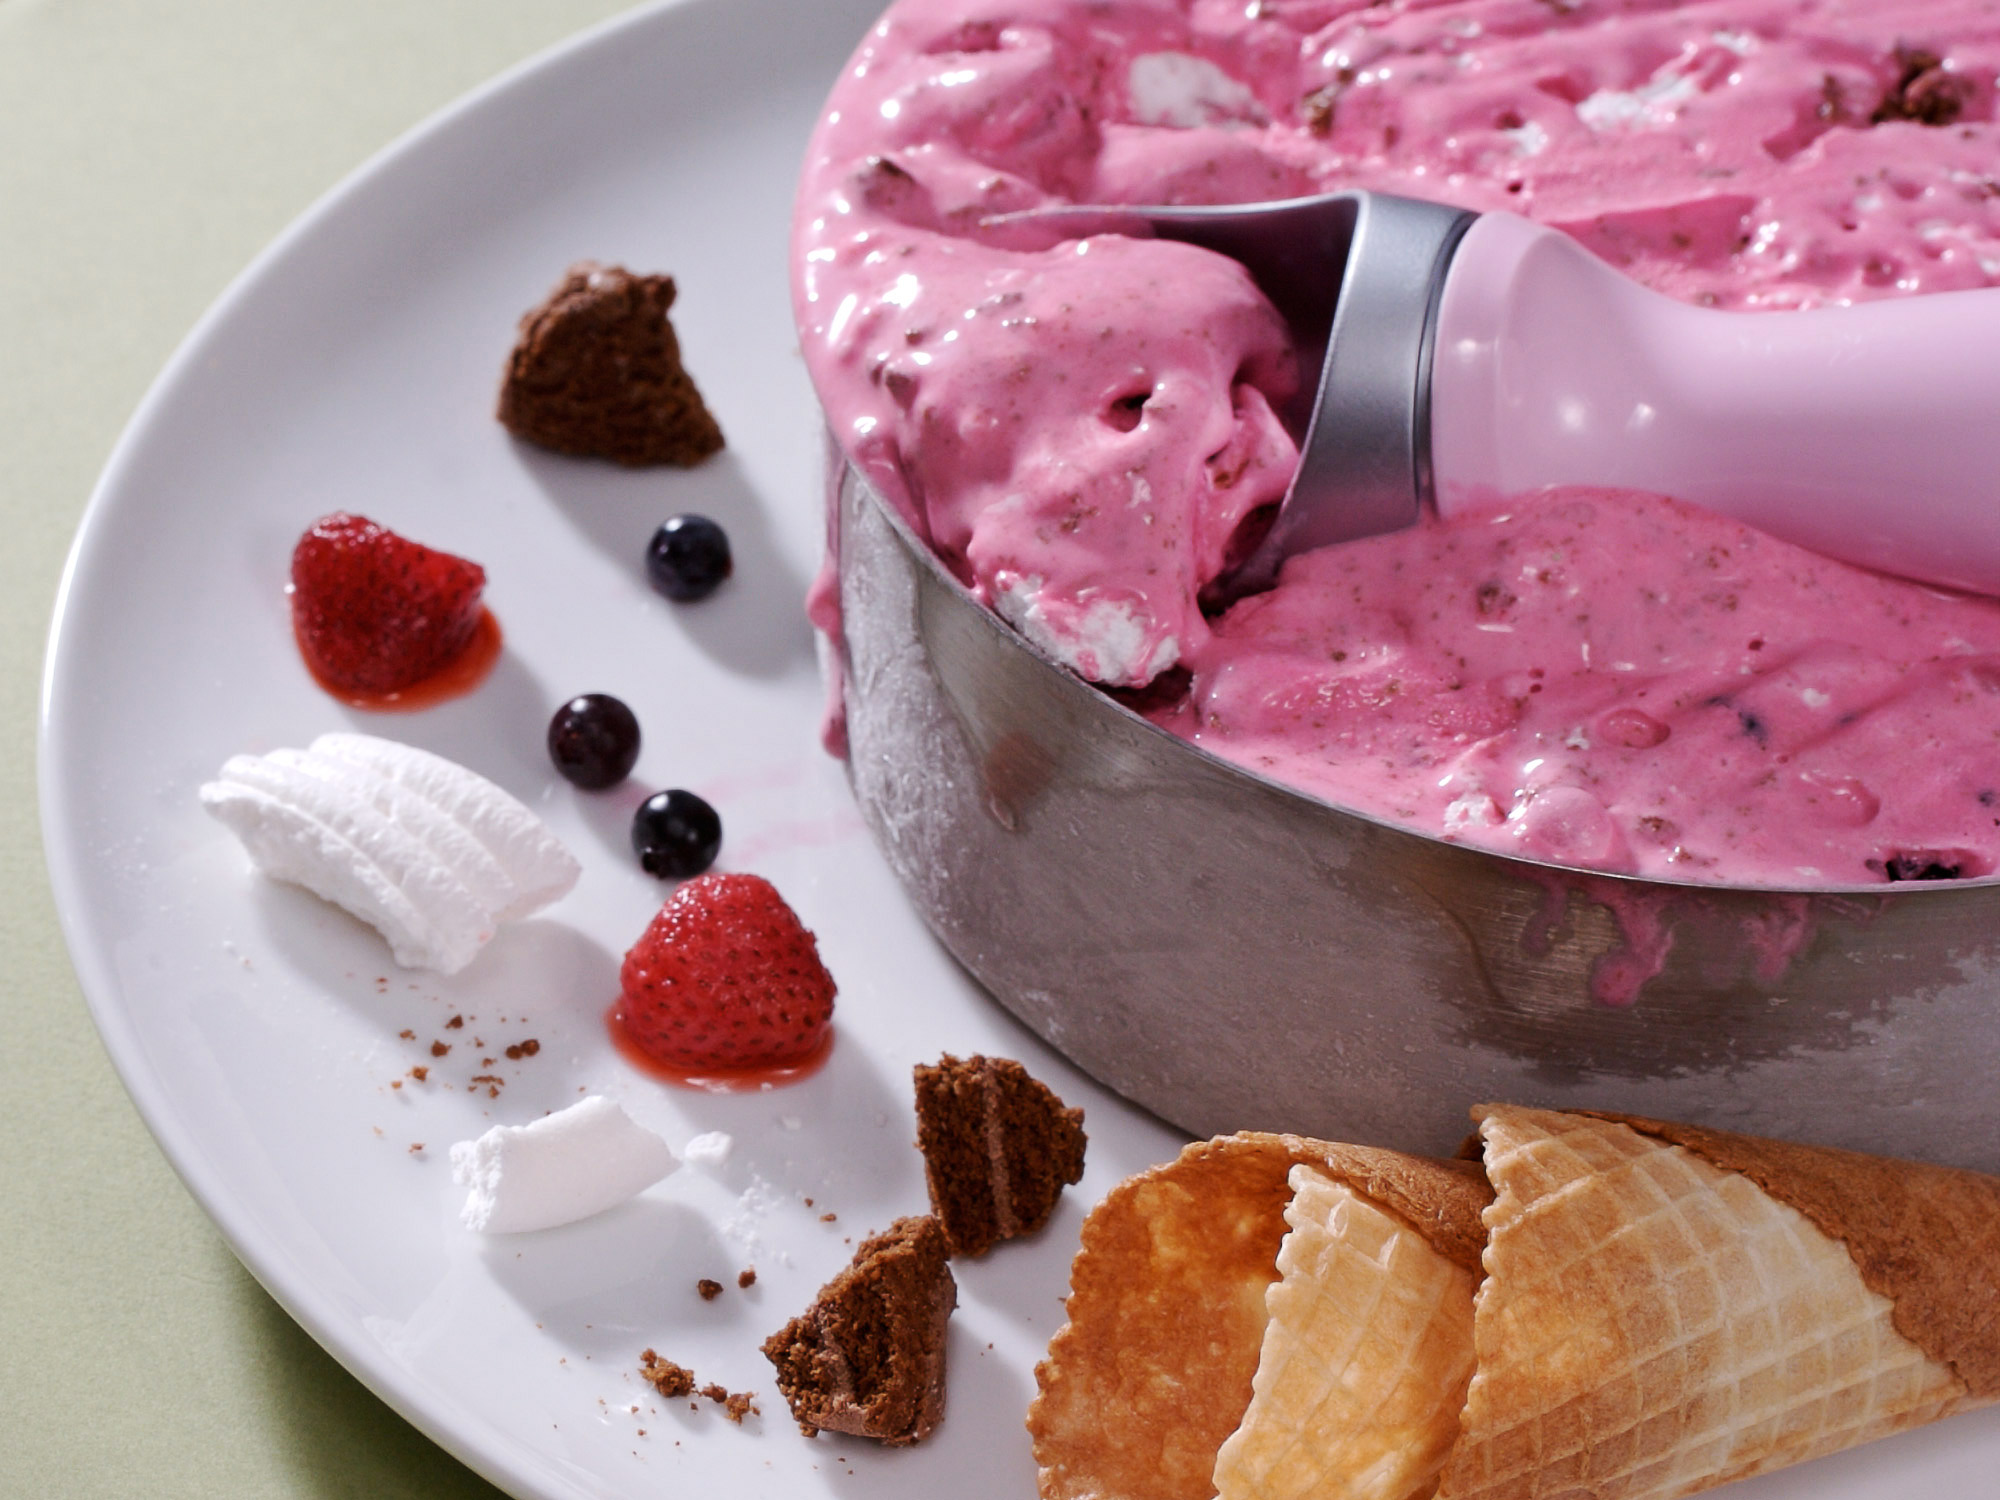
[597, 372]
[998, 1147]
[867, 1357]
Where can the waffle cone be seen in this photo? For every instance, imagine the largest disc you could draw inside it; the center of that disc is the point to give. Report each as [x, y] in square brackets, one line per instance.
[1167, 1313]
[1364, 1362]
[1925, 1237]
[1653, 1324]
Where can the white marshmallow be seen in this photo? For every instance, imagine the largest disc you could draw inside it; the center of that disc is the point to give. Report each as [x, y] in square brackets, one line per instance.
[561, 1168]
[426, 852]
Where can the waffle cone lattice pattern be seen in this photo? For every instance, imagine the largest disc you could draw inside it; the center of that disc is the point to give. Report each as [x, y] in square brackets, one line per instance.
[1651, 1326]
[1364, 1363]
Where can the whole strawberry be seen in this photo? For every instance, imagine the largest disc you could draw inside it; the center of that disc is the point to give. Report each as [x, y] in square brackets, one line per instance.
[726, 977]
[376, 612]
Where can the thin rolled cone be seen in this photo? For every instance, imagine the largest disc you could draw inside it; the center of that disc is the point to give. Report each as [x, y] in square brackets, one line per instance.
[1653, 1325]
[1167, 1306]
[1364, 1362]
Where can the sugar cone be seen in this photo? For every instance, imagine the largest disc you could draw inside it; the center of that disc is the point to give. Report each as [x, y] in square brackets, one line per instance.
[1167, 1306]
[1652, 1325]
[1364, 1361]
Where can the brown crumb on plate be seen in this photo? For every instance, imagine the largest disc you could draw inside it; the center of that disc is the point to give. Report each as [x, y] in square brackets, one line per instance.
[664, 1376]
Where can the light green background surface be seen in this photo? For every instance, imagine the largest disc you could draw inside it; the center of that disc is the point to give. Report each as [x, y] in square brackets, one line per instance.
[148, 150]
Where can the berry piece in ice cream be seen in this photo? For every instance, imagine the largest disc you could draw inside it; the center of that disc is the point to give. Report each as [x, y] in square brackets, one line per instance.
[597, 373]
[676, 834]
[726, 977]
[375, 612]
[688, 558]
[594, 741]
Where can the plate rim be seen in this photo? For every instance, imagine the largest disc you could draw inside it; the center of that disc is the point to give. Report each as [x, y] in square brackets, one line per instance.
[449, 1424]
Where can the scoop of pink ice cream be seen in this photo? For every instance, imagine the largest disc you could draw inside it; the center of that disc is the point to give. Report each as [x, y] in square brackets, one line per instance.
[1079, 431]
[1083, 430]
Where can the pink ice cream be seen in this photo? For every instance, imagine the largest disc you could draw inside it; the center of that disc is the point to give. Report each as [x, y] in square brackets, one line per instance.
[1608, 680]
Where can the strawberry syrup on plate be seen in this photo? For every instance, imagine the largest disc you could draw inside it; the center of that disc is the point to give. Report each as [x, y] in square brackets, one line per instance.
[712, 1080]
[455, 679]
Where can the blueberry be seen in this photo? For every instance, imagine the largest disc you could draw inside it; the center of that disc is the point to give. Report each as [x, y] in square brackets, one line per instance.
[594, 741]
[688, 558]
[676, 835]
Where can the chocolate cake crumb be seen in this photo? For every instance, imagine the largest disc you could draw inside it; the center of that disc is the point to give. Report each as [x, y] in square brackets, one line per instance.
[664, 1376]
[709, 1290]
[454, 1023]
[736, 1405]
[868, 1357]
[747, 1277]
[1316, 109]
[1925, 90]
[439, 1049]
[597, 373]
[998, 1148]
[520, 1050]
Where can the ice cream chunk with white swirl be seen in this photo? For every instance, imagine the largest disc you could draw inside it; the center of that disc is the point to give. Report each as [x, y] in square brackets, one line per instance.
[431, 855]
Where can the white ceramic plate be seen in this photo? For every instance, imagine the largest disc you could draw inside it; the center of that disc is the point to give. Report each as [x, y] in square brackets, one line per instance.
[261, 1033]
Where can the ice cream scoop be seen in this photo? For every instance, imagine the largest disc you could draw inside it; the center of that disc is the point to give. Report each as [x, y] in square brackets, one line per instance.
[1469, 358]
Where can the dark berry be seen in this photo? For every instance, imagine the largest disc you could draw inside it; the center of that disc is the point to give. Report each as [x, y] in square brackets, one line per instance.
[688, 558]
[594, 741]
[676, 835]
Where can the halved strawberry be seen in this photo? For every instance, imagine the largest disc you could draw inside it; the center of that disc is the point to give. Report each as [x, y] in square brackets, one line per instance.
[376, 612]
[726, 977]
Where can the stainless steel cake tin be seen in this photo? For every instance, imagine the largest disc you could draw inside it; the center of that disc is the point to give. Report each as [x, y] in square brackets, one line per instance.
[1232, 954]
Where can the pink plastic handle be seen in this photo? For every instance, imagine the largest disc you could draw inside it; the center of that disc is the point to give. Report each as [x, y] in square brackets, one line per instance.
[1868, 433]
